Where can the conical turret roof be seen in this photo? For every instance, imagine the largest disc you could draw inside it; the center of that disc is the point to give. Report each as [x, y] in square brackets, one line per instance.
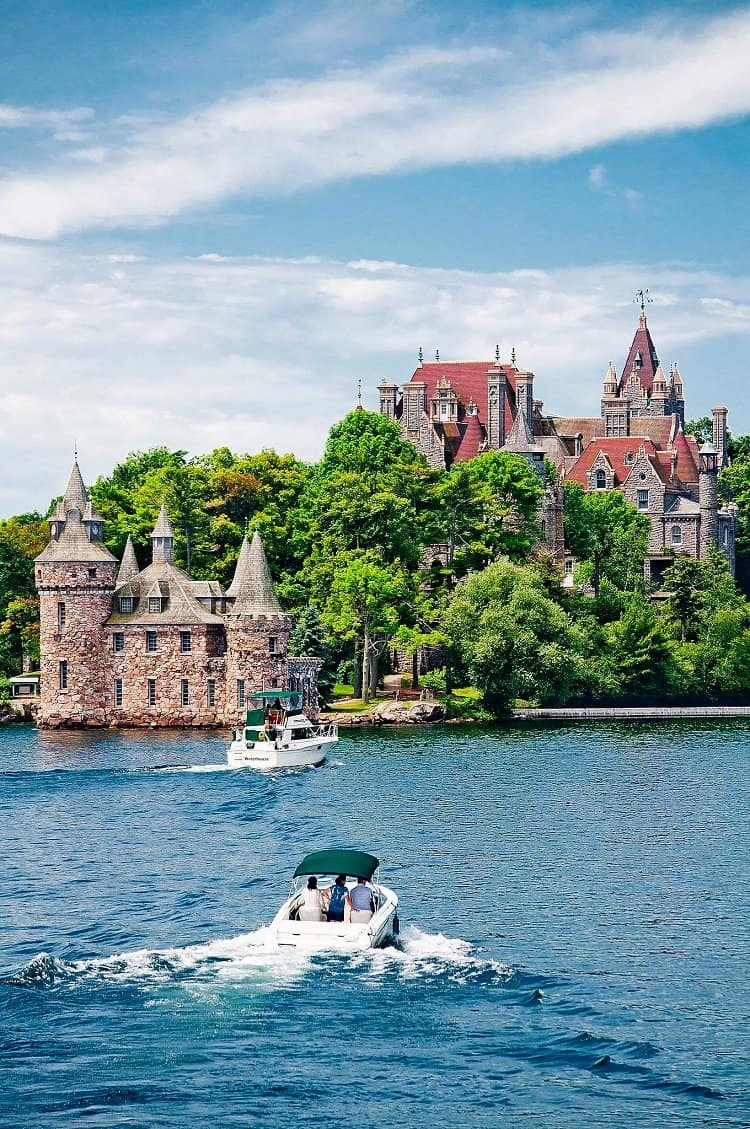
[252, 586]
[163, 527]
[128, 565]
[75, 496]
[520, 437]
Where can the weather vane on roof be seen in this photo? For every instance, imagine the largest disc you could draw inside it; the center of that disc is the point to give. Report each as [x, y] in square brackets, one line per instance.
[359, 393]
[421, 354]
[641, 298]
[437, 354]
[497, 354]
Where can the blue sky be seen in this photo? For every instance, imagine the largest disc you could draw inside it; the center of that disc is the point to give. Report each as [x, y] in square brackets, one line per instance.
[215, 218]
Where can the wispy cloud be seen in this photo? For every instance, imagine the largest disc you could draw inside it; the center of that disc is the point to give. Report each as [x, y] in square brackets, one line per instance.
[419, 108]
[26, 117]
[599, 181]
[120, 352]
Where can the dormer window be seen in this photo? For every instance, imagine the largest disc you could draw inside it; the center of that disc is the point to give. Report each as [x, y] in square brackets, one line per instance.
[638, 362]
[629, 458]
[126, 603]
[154, 604]
[601, 480]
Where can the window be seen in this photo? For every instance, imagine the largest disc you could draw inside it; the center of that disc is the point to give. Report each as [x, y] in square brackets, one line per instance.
[211, 692]
[118, 641]
[443, 411]
[568, 568]
[676, 535]
[272, 644]
[154, 604]
[184, 692]
[150, 640]
[601, 480]
[151, 692]
[61, 616]
[725, 535]
[186, 642]
[118, 693]
[126, 603]
[630, 458]
[642, 500]
[240, 693]
[92, 571]
[64, 674]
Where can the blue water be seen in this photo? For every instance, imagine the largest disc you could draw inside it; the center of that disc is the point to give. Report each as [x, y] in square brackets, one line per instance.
[574, 932]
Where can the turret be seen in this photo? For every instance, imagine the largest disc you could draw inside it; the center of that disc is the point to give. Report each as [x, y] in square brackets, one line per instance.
[128, 565]
[525, 396]
[257, 628]
[162, 538]
[75, 578]
[708, 498]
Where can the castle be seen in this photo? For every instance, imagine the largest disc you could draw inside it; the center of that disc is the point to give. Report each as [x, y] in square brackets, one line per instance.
[454, 411]
[122, 646]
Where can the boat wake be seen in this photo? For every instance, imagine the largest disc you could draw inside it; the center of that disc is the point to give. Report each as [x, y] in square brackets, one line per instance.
[256, 959]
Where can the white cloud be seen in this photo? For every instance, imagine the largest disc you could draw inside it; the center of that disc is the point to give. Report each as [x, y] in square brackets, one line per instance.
[599, 181]
[419, 108]
[121, 353]
[24, 117]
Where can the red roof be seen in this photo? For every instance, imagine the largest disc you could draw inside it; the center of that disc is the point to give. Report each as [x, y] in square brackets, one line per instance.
[469, 380]
[642, 344]
[616, 450]
[472, 440]
[688, 457]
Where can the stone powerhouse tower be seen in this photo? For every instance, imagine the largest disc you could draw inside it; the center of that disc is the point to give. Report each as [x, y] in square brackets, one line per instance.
[153, 647]
[75, 576]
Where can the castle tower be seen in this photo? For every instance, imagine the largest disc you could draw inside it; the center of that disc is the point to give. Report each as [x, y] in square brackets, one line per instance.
[257, 630]
[708, 498]
[75, 578]
[659, 392]
[525, 397]
[678, 393]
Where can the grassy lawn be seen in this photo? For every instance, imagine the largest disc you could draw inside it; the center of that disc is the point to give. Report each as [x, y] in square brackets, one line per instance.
[341, 690]
[351, 705]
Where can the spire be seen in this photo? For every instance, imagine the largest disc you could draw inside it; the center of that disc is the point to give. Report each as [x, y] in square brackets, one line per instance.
[252, 586]
[129, 564]
[162, 538]
[520, 438]
[75, 496]
[610, 381]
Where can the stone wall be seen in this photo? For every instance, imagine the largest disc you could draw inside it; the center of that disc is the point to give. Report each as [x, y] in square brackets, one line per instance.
[250, 658]
[168, 666]
[86, 593]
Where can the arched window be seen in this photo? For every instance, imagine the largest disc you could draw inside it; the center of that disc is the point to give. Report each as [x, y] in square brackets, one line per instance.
[676, 535]
[601, 480]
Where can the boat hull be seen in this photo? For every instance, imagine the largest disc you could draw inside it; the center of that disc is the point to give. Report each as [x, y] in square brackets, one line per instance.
[266, 756]
[335, 936]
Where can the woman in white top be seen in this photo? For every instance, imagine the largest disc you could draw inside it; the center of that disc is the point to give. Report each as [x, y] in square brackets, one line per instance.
[312, 905]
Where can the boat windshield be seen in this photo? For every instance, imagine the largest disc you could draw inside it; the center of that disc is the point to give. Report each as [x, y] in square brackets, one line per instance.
[278, 701]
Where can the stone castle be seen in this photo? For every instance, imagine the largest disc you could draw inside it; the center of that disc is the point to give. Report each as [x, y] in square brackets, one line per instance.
[453, 411]
[121, 646]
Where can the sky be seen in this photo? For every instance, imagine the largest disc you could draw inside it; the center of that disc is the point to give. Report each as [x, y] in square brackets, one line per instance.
[216, 218]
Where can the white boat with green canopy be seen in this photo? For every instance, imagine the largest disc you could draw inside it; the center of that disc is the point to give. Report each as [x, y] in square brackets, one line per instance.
[302, 922]
[278, 734]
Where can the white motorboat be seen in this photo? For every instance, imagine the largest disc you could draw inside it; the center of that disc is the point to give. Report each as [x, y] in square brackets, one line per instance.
[278, 734]
[363, 930]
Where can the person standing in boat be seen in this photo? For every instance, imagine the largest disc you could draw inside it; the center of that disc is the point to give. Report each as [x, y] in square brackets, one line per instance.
[337, 896]
[361, 902]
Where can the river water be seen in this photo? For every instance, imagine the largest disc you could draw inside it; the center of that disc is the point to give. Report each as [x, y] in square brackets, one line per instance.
[574, 947]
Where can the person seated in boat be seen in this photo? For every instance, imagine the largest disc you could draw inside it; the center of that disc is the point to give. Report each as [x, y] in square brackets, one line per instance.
[361, 902]
[337, 895]
[311, 905]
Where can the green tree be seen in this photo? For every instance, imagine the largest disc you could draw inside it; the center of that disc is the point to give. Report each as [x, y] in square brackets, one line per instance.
[607, 535]
[366, 601]
[21, 539]
[309, 638]
[513, 640]
[641, 652]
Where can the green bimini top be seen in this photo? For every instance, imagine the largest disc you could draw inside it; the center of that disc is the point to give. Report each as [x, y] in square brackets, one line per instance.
[358, 864]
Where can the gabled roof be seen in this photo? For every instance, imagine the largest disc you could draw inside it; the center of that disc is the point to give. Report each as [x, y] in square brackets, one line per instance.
[469, 380]
[252, 586]
[519, 438]
[170, 583]
[643, 344]
[616, 450]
